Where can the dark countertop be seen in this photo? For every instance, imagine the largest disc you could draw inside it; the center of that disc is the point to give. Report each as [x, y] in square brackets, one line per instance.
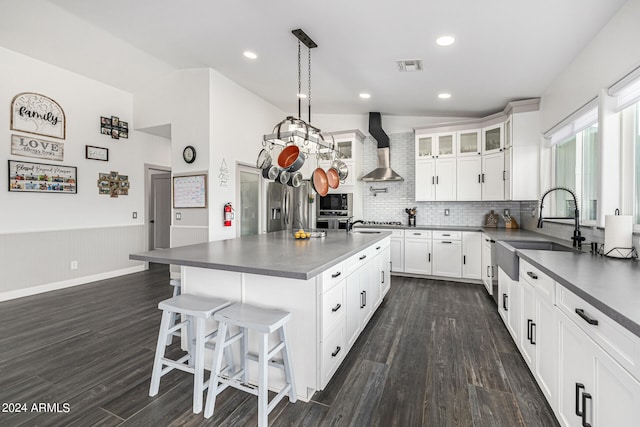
[611, 285]
[271, 254]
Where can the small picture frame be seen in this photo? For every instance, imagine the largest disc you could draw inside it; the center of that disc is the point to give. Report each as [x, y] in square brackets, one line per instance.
[96, 153]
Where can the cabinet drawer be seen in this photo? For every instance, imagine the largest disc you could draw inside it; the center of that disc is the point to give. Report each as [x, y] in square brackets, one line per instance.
[333, 307]
[543, 284]
[333, 349]
[616, 340]
[332, 276]
[417, 234]
[380, 246]
[358, 260]
[447, 235]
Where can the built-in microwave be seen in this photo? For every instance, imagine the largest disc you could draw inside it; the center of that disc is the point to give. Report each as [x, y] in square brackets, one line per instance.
[335, 205]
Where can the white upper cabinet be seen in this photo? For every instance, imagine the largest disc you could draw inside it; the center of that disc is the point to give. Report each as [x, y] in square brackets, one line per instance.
[469, 142]
[493, 139]
[436, 145]
[508, 131]
[493, 176]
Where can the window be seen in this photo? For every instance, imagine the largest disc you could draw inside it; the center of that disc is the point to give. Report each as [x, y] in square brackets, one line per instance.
[636, 196]
[576, 163]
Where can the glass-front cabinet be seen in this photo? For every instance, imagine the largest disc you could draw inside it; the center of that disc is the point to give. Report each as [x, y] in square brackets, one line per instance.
[469, 142]
[345, 148]
[436, 145]
[425, 145]
[493, 139]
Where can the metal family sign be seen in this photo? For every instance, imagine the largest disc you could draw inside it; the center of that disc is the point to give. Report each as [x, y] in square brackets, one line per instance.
[37, 114]
[32, 147]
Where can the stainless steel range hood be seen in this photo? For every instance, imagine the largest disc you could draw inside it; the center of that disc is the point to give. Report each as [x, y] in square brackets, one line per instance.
[383, 172]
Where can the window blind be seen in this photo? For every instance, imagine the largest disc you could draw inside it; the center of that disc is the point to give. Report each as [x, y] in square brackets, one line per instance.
[579, 120]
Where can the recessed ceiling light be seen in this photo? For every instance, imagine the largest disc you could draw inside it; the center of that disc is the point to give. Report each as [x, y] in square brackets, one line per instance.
[445, 40]
[444, 95]
[365, 95]
[301, 95]
[250, 55]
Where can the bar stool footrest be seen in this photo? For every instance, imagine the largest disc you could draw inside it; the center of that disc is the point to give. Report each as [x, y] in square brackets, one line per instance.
[272, 362]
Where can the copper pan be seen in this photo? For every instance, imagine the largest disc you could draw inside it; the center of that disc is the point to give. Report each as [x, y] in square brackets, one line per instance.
[320, 182]
[333, 178]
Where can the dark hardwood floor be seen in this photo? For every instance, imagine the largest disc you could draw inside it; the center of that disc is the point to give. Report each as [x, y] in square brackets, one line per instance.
[435, 354]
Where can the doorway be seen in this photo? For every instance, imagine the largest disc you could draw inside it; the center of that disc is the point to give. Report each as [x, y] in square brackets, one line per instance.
[158, 194]
[249, 199]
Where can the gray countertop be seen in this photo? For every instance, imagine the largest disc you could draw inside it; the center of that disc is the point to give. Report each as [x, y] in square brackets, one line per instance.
[271, 254]
[611, 285]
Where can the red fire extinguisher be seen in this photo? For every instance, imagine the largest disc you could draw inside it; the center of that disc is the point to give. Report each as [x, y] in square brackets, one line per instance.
[228, 214]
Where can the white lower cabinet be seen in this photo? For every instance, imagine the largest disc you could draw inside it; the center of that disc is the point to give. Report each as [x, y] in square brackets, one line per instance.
[472, 255]
[593, 388]
[587, 378]
[538, 338]
[447, 255]
[417, 252]
[489, 266]
[509, 304]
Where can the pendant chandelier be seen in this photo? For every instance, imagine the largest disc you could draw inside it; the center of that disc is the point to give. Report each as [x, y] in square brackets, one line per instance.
[295, 130]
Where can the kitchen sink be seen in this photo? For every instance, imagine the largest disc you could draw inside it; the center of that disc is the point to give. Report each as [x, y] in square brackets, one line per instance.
[508, 260]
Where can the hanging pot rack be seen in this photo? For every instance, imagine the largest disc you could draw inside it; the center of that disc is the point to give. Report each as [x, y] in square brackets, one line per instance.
[292, 130]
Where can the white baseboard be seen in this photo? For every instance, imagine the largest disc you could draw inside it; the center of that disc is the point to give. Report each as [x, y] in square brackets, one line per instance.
[33, 290]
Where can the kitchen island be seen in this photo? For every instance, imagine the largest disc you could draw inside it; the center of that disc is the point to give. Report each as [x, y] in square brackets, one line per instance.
[331, 285]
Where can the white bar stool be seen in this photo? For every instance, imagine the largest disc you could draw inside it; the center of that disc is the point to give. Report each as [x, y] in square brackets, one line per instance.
[195, 310]
[264, 322]
[177, 290]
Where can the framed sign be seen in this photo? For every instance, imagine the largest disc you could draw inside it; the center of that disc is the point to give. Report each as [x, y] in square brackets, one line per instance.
[42, 178]
[39, 148]
[190, 191]
[37, 114]
[96, 153]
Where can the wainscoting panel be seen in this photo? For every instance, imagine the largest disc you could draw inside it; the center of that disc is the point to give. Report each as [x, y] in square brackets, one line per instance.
[39, 261]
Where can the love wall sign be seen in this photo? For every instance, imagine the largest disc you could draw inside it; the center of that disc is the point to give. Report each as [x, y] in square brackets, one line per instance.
[39, 148]
[37, 114]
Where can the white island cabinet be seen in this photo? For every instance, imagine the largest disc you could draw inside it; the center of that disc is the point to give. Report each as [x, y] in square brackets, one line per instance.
[331, 286]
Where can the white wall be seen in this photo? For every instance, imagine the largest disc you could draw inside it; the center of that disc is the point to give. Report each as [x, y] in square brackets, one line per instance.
[239, 119]
[84, 102]
[610, 55]
[76, 220]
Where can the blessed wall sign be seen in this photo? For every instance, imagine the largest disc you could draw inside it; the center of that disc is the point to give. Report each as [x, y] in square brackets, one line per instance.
[37, 114]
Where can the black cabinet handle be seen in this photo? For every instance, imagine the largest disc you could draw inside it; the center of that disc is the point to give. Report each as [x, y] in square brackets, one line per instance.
[447, 235]
[586, 318]
[378, 248]
[361, 299]
[505, 297]
[362, 257]
[585, 396]
[335, 353]
[532, 274]
[336, 308]
[437, 180]
[478, 178]
[482, 177]
[365, 298]
[446, 242]
[429, 257]
[503, 176]
[533, 333]
[488, 274]
[382, 276]
[578, 387]
[334, 275]
[464, 259]
[433, 180]
[417, 234]
[529, 322]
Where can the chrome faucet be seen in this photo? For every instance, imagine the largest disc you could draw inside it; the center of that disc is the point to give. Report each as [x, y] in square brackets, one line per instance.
[351, 224]
[577, 236]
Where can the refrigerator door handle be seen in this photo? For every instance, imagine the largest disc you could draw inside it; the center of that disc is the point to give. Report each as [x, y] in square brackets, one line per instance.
[286, 207]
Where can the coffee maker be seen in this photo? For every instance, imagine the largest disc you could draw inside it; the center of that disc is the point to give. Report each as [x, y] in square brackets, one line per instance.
[412, 212]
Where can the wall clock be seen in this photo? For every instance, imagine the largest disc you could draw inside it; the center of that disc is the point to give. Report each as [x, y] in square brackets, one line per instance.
[189, 154]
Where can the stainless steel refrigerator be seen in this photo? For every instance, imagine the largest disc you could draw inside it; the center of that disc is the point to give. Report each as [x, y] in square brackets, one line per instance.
[289, 208]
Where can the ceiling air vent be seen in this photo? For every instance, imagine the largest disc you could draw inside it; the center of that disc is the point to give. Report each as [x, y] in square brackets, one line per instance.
[409, 65]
